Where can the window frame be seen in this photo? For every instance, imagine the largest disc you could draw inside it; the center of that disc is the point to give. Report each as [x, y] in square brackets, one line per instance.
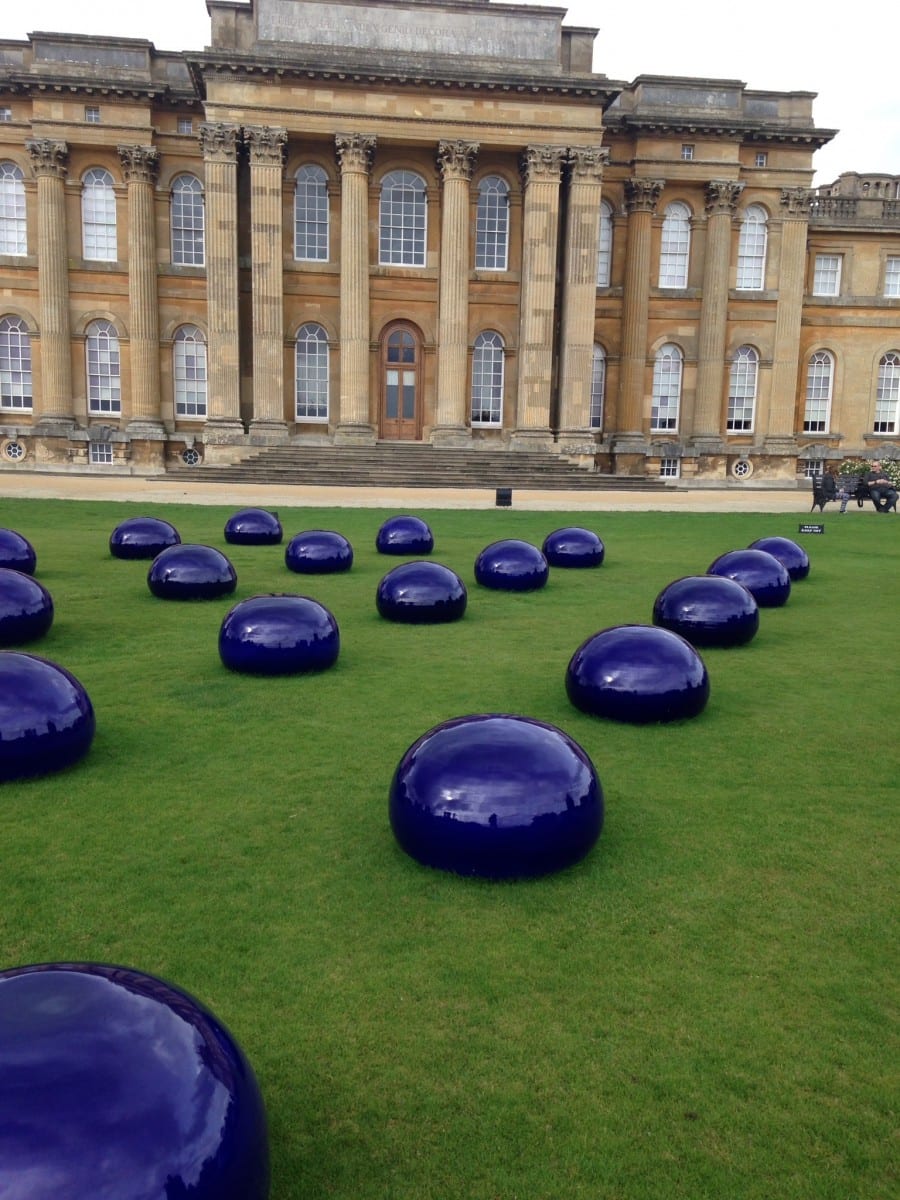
[605, 244]
[187, 222]
[743, 385]
[753, 246]
[823, 274]
[666, 400]
[488, 380]
[892, 277]
[313, 370]
[887, 394]
[312, 215]
[675, 247]
[403, 220]
[98, 216]
[598, 386]
[102, 349]
[13, 210]
[190, 378]
[819, 392]
[15, 365]
[492, 224]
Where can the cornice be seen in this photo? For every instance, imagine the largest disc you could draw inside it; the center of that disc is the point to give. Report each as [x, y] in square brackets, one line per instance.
[746, 130]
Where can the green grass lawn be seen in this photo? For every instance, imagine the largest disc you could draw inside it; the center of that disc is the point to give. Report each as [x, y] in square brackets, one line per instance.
[706, 1006]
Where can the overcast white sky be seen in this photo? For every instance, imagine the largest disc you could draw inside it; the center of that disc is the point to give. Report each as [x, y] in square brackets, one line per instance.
[835, 50]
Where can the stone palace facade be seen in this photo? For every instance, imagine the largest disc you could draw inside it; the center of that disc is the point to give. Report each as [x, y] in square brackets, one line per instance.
[348, 222]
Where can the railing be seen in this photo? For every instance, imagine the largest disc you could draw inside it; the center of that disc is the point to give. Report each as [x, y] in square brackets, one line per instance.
[851, 210]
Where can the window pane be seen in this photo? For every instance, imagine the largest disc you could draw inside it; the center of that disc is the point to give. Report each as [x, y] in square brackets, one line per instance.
[892, 277]
[675, 247]
[311, 214]
[487, 379]
[604, 246]
[402, 217]
[15, 364]
[827, 277]
[751, 264]
[98, 216]
[311, 369]
[103, 368]
[190, 372]
[13, 235]
[742, 390]
[187, 222]
[666, 389]
[819, 373]
[492, 225]
[887, 397]
[598, 387]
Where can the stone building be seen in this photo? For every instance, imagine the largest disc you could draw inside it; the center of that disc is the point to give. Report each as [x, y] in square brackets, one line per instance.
[349, 222]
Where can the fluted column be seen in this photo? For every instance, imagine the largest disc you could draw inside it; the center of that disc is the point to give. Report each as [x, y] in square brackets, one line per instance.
[721, 200]
[140, 165]
[788, 309]
[49, 161]
[354, 153]
[579, 296]
[266, 148]
[220, 144]
[541, 167]
[455, 162]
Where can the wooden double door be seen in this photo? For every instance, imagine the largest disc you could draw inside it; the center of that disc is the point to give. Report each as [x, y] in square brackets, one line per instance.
[401, 383]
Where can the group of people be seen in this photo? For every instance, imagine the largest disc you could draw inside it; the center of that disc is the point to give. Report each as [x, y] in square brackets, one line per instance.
[881, 489]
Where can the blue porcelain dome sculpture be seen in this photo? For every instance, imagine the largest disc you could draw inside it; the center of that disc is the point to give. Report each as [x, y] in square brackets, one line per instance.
[26, 608]
[793, 557]
[117, 1084]
[46, 719]
[512, 566]
[760, 572]
[318, 552]
[421, 593]
[708, 610]
[142, 537]
[191, 572]
[16, 552]
[253, 527]
[404, 535]
[573, 547]
[279, 635]
[496, 796]
[637, 674]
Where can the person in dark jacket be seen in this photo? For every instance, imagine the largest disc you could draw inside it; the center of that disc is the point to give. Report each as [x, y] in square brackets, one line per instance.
[882, 491]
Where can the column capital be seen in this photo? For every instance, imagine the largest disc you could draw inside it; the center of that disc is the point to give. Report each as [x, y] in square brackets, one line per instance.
[266, 144]
[456, 160]
[795, 202]
[722, 196]
[354, 151]
[542, 164]
[587, 162]
[48, 157]
[140, 164]
[642, 195]
[219, 142]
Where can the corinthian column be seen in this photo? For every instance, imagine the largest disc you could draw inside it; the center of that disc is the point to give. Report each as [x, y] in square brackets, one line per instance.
[49, 161]
[788, 308]
[541, 174]
[220, 144]
[140, 165]
[354, 154]
[579, 298]
[455, 162]
[266, 148]
[721, 199]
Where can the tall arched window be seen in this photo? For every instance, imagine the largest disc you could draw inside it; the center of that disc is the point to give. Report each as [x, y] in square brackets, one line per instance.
[598, 387]
[13, 234]
[604, 245]
[492, 225]
[311, 214]
[887, 396]
[189, 365]
[187, 221]
[675, 249]
[311, 373]
[742, 390]
[667, 372]
[402, 220]
[98, 216]
[104, 369]
[15, 364]
[751, 263]
[488, 360]
[819, 377]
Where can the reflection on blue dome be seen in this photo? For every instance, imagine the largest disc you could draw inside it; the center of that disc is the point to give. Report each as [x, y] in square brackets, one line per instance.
[318, 552]
[26, 608]
[16, 552]
[404, 535]
[708, 610]
[46, 717]
[142, 537]
[788, 552]
[191, 572]
[421, 593]
[253, 527]
[573, 547]
[760, 572]
[512, 566]
[279, 635]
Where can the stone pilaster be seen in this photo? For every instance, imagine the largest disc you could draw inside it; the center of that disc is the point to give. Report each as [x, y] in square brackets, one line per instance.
[455, 162]
[788, 309]
[49, 162]
[354, 154]
[266, 148]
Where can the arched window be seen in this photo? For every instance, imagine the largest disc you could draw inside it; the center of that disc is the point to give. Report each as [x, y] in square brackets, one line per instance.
[598, 387]
[402, 220]
[98, 216]
[488, 358]
[604, 245]
[819, 376]
[667, 371]
[675, 250]
[104, 369]
[742, 390]
[189, 365]
[887, 397]
[311, 214]
[311, 373]
[751, 263]
[13, 234]
[15, 364]
[187, 221]
[492, 225]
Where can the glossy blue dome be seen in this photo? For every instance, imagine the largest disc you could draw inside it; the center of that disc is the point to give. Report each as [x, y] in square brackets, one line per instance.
[279, 635]
[191, 572]
[26, 608]
[142, 537]
[253, 527]
[46, 719]
[421, 593]
[637, 674]
[16, 552]
[573, 547]
[792, 556]
[760, 572]
[318, 552]
[708, 610]
[512, 566]
[496, 796]
[115, 1085]
[404, 535]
